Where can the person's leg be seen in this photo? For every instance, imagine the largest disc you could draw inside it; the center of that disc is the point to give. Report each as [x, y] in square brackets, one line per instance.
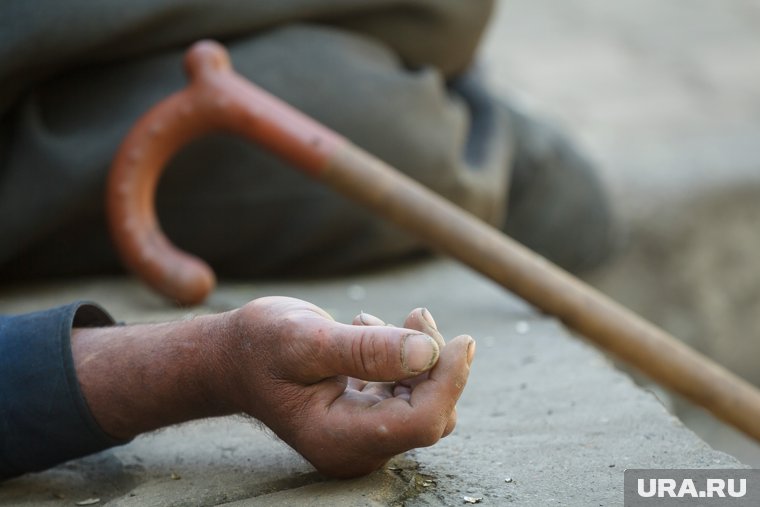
[252, 215]
[558, 205]
[236, 206]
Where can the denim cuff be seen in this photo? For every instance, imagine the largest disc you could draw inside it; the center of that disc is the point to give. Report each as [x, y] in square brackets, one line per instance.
[44, 417]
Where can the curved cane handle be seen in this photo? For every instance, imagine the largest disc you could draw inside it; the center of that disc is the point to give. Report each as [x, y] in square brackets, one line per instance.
[217, 99]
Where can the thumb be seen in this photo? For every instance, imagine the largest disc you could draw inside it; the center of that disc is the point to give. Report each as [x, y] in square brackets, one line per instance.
[375, 353]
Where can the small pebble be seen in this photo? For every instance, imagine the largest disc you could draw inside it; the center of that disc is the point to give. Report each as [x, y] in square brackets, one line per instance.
[89, 501]
[508, 480]
[472, 499]
[175, 477]
[522, 327]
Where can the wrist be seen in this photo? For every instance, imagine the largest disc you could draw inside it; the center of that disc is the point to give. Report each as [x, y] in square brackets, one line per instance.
[204, 349]
[217, 356]
[229, 372]
[144, 377]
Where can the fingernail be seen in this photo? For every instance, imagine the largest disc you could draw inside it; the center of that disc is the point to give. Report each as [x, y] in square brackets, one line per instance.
[429, 318]
[370, 320]
[419, 353]
[470, 352]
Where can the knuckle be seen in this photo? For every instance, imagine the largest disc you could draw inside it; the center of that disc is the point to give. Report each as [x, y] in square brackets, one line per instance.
[314, 348]
[369, 353]
[290, 323]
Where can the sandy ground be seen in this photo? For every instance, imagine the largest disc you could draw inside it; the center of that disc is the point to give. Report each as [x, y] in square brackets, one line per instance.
[665, 96]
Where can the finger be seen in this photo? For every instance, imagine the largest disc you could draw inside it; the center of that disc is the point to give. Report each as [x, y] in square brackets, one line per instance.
[402, 391]
[375, 353]
[434, 401]
[365, 319]
[421, 319]
[356, 384]
[382, 390]
[448, 378]
[371, 394]
[396, 425]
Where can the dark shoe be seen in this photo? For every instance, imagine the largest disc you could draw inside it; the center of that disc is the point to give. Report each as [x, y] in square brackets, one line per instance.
[557, 204]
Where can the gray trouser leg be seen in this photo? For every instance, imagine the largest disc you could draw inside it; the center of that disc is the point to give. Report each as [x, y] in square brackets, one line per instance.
[238, 207]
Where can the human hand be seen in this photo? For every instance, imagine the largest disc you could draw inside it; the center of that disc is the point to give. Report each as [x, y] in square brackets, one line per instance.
[347, 397]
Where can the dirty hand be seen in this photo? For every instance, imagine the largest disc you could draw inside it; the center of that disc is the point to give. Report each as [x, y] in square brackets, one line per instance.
[347, 397]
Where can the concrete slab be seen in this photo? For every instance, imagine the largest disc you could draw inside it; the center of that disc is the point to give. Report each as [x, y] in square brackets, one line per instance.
[545, 419]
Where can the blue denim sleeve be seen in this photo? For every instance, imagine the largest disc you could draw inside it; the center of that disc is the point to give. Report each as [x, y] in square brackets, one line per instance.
[44, 418]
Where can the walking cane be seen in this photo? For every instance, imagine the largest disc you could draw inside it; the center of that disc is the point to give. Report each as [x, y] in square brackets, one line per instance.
[218, 99]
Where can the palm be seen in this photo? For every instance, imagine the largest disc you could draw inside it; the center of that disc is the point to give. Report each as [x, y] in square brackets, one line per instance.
[344, 425]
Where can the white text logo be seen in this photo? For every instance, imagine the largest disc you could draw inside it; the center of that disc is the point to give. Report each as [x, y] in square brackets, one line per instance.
[715, 488]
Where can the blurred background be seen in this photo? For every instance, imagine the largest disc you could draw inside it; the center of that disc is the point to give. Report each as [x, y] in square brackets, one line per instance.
[665, 96]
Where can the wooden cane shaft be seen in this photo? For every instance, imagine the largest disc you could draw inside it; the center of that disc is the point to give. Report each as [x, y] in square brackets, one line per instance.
[444, 226]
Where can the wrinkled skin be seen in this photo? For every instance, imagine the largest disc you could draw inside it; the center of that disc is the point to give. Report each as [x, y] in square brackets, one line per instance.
[347, 397]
